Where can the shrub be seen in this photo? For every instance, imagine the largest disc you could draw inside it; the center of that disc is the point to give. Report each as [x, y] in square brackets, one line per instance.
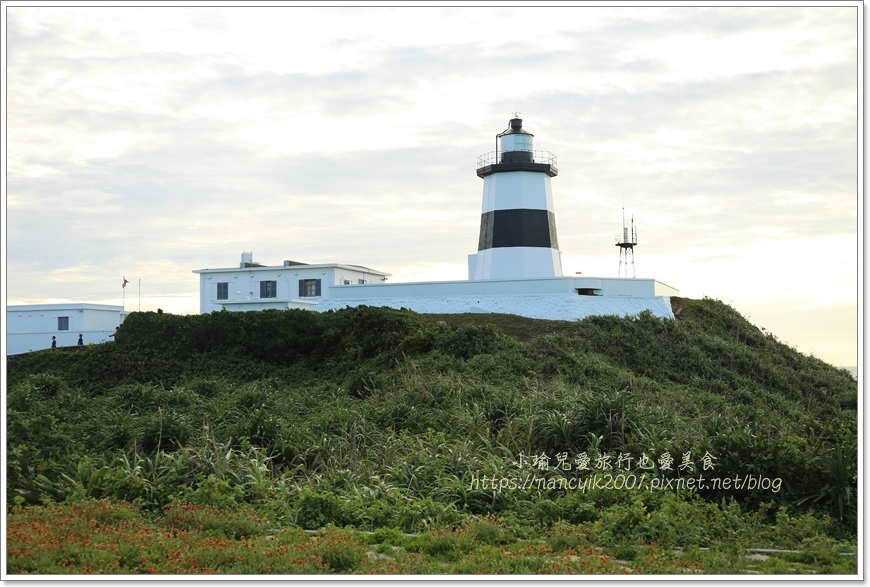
[217, 493]
[387, 536]
[565, 536]
[442, 544]
[236, 523]
[821, 552]
[340, 550]
[316, 509]
[488, 530]
[46, 384]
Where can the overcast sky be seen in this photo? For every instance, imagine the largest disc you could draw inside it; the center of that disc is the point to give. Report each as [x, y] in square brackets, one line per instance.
[147, 142]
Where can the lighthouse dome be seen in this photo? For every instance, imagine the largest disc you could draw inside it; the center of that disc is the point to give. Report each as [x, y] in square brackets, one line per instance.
[515, 138]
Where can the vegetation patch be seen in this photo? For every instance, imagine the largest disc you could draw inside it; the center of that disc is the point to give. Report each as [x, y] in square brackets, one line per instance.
[594, 446]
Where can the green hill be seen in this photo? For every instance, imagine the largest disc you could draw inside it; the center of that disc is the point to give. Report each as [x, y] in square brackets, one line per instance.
[378, 418]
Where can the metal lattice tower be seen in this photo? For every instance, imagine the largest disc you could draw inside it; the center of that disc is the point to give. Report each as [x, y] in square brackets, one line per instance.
[626, 243]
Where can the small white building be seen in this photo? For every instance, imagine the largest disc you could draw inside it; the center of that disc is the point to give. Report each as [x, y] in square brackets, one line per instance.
[252, 286]
[30, 327]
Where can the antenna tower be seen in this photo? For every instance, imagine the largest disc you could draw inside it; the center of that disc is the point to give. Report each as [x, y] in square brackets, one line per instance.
[626, 243]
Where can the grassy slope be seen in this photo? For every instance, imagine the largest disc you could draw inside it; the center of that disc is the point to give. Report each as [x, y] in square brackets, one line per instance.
[379, 418]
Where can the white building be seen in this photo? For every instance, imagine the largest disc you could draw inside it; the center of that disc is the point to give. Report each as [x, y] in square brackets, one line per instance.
[252, 286]
[517, 268]
[334, 286]
[30, 327]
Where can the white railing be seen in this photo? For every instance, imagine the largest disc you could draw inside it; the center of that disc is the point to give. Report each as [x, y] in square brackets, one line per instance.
[494, 157]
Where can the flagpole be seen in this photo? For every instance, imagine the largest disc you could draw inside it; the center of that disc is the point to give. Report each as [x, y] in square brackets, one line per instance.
[124, 295]
[140, 294]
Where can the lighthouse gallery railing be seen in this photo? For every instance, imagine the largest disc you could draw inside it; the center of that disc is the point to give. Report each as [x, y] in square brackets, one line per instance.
[494, 157]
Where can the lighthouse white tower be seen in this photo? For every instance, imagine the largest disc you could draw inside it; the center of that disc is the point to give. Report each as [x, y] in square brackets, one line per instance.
[517, 223]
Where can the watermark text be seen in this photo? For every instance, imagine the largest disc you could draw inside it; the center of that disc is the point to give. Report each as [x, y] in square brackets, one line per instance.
[619, 481]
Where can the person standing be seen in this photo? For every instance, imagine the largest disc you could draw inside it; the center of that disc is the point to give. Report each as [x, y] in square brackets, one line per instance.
[80, 342]
[53, 342]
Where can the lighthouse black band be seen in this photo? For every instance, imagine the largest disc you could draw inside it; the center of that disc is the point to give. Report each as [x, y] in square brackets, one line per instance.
[517, 228]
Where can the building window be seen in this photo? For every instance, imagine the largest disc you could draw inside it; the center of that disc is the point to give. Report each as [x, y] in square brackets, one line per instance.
[361, 281]
[347, 282]
[268, 289]
[223, 291]
[63, 322]
[309, 288]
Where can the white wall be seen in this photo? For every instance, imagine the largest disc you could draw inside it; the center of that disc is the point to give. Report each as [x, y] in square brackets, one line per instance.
[507, 262]
[31, 327]
[244, 285]
[545, 306]
[609, 287]
[552, 298]
[529, 190]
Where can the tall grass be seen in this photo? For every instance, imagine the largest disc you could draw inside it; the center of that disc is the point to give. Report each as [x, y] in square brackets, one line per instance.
[380, 418]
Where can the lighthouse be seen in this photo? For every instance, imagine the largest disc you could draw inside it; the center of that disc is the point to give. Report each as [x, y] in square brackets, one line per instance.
[517, 268]
[517, 221]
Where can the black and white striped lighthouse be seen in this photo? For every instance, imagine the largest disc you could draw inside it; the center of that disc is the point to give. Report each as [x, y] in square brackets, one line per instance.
[517, 223]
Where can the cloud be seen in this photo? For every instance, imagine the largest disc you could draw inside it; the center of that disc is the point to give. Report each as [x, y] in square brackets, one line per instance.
[154, 141]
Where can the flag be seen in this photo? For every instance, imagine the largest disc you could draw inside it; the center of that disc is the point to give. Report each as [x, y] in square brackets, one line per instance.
[125, 283]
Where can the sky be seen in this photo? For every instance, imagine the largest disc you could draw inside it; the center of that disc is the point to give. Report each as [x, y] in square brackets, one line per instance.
[144, 142]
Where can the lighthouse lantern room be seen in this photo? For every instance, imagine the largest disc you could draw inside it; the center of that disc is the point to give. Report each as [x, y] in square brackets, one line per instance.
[517, 223]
